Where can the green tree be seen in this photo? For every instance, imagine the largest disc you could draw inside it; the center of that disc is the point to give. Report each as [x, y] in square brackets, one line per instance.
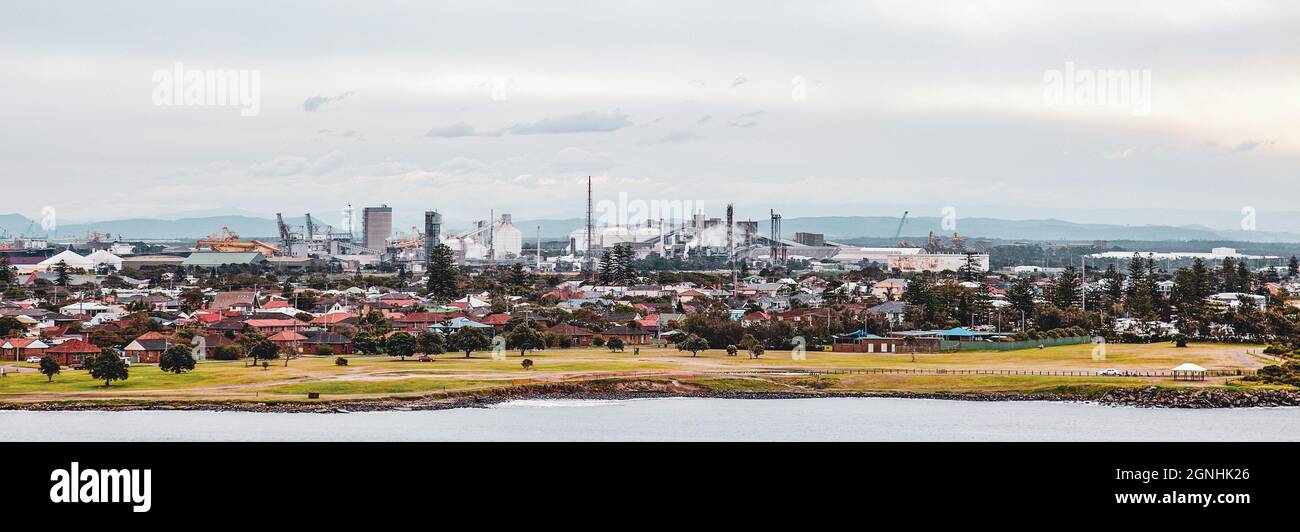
[8, 274]
[430, 343]
[176, 359]
[49, 368]
[62, 278]
[1114, 285]
[365, 343]
[1293, 267]
[262, 349]
[468, 340]
[108, 367]
[614, 344]
[606, 269]
[400, 345]
[524, 339]
[694, 344]
[10, 327]
[443, 282]
[1066, 289]
[1021, 296]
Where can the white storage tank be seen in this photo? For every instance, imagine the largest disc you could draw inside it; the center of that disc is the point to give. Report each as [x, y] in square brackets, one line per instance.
[507, 240]
[615, 235]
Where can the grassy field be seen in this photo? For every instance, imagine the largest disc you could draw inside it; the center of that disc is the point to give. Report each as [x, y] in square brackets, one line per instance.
[370, 376]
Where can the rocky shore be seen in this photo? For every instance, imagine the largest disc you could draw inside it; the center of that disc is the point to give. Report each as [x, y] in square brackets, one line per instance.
[1152, 397]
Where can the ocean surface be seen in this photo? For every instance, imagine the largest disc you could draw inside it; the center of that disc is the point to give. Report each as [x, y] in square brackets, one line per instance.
[680, 419]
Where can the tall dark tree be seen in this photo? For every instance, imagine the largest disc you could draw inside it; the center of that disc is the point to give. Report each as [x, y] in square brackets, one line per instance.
[400, 345]
[1293, 267]
[7, 272]
[468, 340]
[443, 283]
[176, 359]
[1066, 289]
[1228, 276]
[430, 343]
[108, 366]
[1021, 296]
[61, 275]
[1114, 285]
[606, 270]
[525, 339]
[49, 368]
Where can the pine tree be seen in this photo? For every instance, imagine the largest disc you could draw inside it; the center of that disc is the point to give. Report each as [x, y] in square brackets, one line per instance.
[62, 278]
[1021, 297]
[7, 273]
[443, 275]
[606, 270]
[1293, 267]
[1114, 284]
[1065, 291]
[1228, 275]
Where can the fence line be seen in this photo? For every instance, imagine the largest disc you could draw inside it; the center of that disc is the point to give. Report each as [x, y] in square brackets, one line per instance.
[1019, 372]
[959, 345]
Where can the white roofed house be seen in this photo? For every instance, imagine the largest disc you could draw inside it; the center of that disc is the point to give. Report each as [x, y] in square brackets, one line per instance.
[89, 308]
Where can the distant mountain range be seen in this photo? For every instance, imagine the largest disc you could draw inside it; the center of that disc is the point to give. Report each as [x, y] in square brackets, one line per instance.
[834, 227]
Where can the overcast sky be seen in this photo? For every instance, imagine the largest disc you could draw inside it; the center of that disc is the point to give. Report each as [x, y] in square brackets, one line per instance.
[809, 108]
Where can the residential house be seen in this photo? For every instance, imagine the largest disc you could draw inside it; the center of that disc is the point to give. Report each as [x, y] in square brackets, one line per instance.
[579, 335]
[20, 348]
[337, 344]
[147, 348]
[288, 341]
[72, 352]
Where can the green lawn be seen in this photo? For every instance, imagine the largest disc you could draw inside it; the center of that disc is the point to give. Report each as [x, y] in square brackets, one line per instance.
[383, 374]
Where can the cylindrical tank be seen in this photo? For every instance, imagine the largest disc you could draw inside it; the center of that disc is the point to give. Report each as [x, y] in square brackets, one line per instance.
[507, 240]
[615, 235]
[645, 234]
[579, 238]
[470, 248]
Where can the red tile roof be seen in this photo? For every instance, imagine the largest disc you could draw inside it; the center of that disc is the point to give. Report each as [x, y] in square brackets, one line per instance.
[74, 347]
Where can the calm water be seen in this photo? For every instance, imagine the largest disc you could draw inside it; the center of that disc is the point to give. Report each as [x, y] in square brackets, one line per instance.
[831, 419]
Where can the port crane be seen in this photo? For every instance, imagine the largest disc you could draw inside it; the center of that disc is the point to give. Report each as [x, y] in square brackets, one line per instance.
[228, 241]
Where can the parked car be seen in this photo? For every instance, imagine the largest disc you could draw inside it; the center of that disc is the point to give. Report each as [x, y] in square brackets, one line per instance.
[1109, 372]
[33, 360]
[425, 359]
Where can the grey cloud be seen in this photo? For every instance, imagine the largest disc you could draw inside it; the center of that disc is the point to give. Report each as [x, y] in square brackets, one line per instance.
[316, 102]
[586, 122]
[749, 119]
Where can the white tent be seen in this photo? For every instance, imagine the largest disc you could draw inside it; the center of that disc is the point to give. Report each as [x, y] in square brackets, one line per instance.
[68, 257]
[1189, 372]
[104, 257]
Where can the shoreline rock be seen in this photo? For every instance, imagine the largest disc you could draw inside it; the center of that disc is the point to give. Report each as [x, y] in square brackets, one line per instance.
[1149, 397]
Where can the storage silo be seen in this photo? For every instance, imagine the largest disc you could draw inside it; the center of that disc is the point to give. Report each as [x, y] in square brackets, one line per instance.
[507, 240]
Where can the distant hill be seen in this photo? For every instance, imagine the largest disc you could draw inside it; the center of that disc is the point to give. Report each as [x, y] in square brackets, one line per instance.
[834, 227]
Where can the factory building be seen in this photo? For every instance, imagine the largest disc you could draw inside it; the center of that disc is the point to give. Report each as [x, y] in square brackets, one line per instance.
[376, 226]
[937, 262]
